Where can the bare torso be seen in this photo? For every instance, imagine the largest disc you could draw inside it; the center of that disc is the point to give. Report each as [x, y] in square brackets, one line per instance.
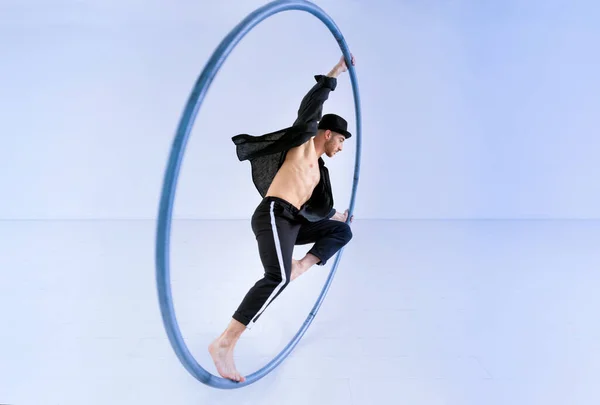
[298, 176]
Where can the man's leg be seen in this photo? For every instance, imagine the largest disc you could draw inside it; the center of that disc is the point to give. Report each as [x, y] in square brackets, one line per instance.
[276, 230]
[328, 236]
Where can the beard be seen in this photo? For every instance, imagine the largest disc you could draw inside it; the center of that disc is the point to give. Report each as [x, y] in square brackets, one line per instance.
[329, 148]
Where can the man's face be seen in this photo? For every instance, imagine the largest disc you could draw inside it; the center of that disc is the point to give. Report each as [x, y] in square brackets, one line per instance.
[334, 144]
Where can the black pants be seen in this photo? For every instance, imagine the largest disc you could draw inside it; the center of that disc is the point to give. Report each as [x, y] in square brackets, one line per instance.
[278, 228]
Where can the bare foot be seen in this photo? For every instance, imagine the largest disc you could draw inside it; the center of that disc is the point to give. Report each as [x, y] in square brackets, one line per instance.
[222, 355]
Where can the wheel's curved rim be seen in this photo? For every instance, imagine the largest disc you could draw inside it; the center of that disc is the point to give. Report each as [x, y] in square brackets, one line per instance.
[170, 184]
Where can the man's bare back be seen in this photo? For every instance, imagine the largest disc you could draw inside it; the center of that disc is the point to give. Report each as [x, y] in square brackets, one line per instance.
[298, 176]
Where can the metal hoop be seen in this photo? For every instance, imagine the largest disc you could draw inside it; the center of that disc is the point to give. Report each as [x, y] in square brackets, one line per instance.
[170, 183]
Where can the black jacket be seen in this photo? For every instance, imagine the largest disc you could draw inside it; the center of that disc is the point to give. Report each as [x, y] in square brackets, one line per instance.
[266, 153]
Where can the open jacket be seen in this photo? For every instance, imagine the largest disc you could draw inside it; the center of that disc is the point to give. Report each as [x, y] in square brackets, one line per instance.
[266, 153]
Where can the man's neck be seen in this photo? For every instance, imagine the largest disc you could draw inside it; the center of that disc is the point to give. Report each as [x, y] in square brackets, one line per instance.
[319, 147]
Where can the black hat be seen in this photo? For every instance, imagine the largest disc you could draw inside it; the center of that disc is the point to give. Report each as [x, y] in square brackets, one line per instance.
[335, 123]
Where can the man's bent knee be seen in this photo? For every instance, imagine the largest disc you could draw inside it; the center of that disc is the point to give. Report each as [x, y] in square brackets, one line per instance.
[345, 232]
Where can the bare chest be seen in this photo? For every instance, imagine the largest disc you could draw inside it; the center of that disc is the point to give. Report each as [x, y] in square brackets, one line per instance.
[305, 162]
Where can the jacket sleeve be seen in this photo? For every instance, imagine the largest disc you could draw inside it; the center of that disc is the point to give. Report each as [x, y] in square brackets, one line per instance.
[311, 106]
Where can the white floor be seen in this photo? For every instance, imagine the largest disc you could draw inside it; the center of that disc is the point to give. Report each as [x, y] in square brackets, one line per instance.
[420, 312]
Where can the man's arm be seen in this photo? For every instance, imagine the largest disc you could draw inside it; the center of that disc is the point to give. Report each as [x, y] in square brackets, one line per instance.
[340, 67]
[339, 216]
[311, 106]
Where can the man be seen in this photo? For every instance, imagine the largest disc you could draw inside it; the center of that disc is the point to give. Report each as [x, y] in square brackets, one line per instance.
[297, 207]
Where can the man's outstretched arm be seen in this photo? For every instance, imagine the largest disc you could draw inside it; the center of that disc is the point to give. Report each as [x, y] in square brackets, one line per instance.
[340, 67]
[311, 106]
